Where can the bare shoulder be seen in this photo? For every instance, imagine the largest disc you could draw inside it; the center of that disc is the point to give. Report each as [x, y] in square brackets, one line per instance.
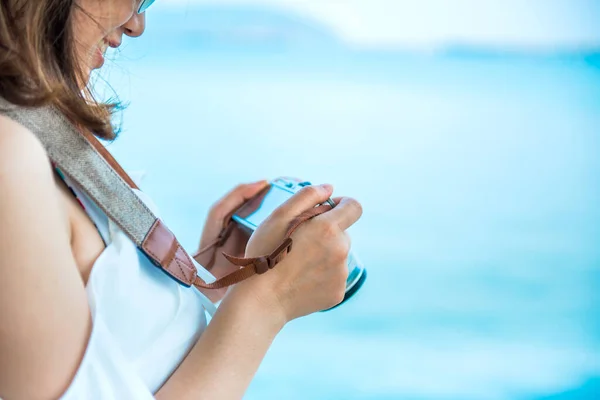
[42, 296]
[17, 142]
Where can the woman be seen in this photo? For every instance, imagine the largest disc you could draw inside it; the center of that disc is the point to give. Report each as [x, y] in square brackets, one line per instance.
[72, 327]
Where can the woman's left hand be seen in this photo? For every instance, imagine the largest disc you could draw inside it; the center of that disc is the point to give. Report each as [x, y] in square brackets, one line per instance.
[236, 245]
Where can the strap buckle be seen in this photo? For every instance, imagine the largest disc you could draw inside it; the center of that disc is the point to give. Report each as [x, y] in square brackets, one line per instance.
[265, 263]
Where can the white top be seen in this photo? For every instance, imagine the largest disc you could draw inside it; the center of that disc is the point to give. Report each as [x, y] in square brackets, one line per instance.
[144, 323]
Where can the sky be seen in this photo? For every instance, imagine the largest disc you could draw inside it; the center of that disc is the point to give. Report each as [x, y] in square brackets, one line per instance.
[542, 25]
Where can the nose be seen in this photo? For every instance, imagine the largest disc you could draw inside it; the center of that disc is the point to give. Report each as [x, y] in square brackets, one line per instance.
[136, 25]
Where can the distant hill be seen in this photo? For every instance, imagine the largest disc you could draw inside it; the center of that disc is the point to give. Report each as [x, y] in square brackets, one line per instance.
[227, 27]
[252, 29]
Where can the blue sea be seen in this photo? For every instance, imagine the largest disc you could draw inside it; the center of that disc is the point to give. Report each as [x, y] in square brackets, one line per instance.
[479, 174]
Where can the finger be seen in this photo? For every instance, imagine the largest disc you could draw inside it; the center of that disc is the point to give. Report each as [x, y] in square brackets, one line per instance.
[346, 213]
[236, 197]
[305, 199]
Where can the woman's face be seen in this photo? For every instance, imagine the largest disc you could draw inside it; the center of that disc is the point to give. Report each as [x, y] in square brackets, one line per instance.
[100, 24]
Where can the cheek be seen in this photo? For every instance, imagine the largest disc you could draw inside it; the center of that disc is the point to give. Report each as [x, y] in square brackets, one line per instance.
[87, 29]
[97, 18]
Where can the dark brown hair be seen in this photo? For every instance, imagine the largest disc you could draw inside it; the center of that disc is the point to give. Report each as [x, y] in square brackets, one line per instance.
[39, 66]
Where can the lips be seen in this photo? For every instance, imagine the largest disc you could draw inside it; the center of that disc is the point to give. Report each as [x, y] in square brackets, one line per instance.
[101, 50]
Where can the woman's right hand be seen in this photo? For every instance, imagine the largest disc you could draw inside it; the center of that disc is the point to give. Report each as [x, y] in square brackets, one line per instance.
[312, 277]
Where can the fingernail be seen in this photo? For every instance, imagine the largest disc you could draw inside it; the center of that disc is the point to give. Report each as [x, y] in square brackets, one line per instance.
[327, 186]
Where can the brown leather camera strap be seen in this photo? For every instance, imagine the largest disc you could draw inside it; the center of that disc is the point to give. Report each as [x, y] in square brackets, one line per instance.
[81, 157]
[256, 265]
[248, 266]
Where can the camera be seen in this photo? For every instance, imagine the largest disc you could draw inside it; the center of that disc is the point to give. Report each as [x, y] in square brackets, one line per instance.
[255, 211]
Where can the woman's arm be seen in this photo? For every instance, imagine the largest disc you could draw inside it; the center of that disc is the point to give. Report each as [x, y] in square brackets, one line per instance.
[44, 316]
[224, 360]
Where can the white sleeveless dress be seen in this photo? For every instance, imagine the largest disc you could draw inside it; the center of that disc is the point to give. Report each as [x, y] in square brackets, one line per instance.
[144, 323]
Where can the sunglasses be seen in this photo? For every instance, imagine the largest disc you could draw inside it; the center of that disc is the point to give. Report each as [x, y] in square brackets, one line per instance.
[144, 4]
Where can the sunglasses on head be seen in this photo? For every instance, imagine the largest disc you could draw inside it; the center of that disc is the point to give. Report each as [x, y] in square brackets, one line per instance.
[144, 4]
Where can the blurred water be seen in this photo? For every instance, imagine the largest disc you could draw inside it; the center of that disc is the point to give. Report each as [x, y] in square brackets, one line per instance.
[479, 180]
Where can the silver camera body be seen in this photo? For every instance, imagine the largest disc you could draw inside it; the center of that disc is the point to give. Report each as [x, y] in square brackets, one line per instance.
[280, 190]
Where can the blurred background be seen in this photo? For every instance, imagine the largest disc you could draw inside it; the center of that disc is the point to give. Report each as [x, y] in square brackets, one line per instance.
[468, 129]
